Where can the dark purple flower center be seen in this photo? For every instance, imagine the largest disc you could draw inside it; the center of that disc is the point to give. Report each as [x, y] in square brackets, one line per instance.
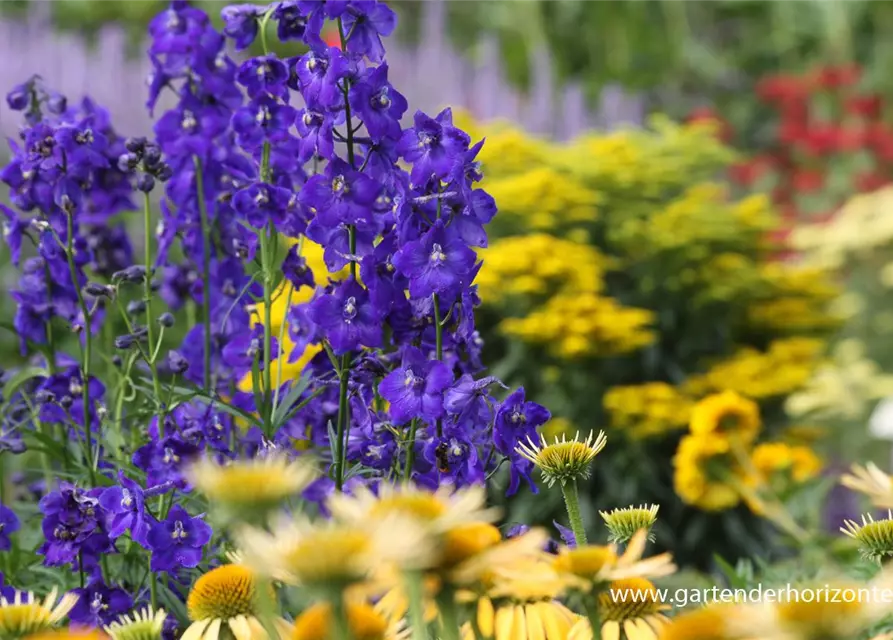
[63, 533]
[170, 456]
[85, 137]
[518, 416]
[437, 254]
[428, 139]
[126, 498]
[179, 533]
[263, 115]
[45, 147]
[261, 198]
[254, 348]
[173, 22]
[350, 309]
[339, 185]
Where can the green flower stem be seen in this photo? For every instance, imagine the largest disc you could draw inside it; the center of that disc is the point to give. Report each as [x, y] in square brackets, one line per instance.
[572, 502]
[594, 616]
[291, 290]
[449, 615]
[343, 419]
[150, 320]
[206, 271]
[410, 449]
[344, 369]
[86, 352]
[340, 623]
[415, 596]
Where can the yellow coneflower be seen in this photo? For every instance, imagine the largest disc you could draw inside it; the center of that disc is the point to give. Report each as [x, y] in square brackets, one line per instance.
[727, 414]
[715, 622]
[826, 614]
[364, 622]
[875, 537]
[435, 511]
[145, 624]
[478, 565]
[331, 553]
[563, 460]
[258, 483]
[522, 603]
[227, 597]
[871, 481]
[630, 607]
[25, 615]
[623, 524]
[593, 564]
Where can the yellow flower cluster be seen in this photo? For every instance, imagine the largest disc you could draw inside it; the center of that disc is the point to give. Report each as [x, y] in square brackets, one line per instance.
[780, 370]
[543, 198]
[537, 265]
[573, 326]
[649, 409]
[717, 465]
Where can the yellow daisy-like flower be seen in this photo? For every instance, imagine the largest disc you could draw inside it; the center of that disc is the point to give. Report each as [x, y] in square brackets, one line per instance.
[593, 564]
[544, 620]
[871, 481]
[799, 462]
[258, 483]
[875, 537]
[826, 616]
[434, 513]
[563, 460]
[479, 565]
[717, 622]
[728, 414]
[25, 615]
[705, 472]
[364, 622]
[332, 553]
[624, 523]
[227, 596]
[141, 625]
[630, 607]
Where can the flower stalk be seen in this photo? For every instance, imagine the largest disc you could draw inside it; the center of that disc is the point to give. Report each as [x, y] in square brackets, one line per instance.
[572, 503]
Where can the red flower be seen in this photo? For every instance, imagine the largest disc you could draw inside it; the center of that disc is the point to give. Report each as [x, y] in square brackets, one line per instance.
[808, 180]
[707, 114]
[840, 76]
[867, 106]
[849, 138]
[783, 88]
[748, 172]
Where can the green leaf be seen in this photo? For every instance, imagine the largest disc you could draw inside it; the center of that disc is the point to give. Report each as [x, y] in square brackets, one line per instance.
[20, 378]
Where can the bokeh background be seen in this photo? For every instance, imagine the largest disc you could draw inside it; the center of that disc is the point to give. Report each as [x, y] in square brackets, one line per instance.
[694, 217]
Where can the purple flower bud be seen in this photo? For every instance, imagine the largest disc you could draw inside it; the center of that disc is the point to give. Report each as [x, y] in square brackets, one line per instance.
[18, 98]
[145, 183]
[177, 363]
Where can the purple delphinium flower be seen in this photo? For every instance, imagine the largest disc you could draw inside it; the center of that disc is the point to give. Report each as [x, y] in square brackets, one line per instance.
[125, 508]
[341, 195]
[261, 203]
[240, 22]
[73, 527]
[365, 21]
[316, 134]
[164, 460]
[98, 604]
[378, 103]
[517, 420]
[263, 119]
[241, 352]
[177, 541]
[266, 75]
[295, 269]
[318, 73]
[433, 145]
[9, 523]
[438, 262]
[347, 317]
[415, 389]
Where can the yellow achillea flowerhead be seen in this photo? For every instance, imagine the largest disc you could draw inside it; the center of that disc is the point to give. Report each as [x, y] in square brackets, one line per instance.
[798, 462]
[141, 625]
[564, 460]
[24, 615]
[875, 537]
[726, 414]
[364, 622]
[647, 410]
[629, 609]
[704, 472]
[871, 481]
[623, 524]
[258, 483]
